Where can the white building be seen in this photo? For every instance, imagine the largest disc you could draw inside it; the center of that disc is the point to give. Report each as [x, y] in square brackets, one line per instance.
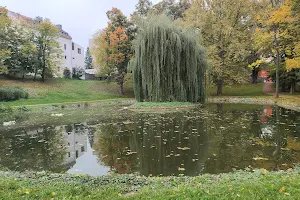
[72, 53]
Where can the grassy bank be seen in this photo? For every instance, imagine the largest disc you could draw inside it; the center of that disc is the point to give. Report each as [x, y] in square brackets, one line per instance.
[64, 91]
[239, 185]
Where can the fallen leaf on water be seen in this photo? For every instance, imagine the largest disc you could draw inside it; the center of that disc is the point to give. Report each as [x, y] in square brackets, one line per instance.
[260, 158]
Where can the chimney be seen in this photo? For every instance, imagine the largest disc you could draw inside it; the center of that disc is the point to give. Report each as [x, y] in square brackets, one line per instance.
[59, 26]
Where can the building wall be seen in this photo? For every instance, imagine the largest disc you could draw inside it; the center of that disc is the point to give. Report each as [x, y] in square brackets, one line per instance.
[78, 56]
[70, 57]
[66, 56]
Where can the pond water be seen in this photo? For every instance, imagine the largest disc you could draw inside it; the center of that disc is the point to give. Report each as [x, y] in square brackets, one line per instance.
[217, 138]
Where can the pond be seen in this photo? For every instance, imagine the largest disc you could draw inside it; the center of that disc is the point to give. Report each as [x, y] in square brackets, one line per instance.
[217, 138]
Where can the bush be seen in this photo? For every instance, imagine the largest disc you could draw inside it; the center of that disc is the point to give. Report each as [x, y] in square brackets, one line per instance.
[77, 72]
[12, 93]
[67, 73]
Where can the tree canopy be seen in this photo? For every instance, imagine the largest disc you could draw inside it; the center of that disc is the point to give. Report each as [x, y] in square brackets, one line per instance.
[169, 63]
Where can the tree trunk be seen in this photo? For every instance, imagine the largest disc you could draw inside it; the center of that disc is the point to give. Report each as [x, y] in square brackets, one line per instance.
[219, 87]
[293, 87]
[254, 75]
[276, 46]
[122, 88]
[35, 72]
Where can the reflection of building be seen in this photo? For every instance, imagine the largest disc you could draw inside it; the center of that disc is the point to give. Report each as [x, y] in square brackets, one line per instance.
[76, 145]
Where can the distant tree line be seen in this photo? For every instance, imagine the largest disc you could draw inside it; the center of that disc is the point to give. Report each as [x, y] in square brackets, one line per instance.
[240, 36]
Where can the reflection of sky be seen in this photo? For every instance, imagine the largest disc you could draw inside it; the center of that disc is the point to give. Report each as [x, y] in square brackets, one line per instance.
[88, 164]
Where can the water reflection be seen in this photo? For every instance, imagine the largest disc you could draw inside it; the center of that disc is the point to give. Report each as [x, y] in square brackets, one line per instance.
[215, 139]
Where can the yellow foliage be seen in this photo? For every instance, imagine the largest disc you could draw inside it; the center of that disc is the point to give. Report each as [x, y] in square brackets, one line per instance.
[282, 15]
[292, 64]
[256, 63]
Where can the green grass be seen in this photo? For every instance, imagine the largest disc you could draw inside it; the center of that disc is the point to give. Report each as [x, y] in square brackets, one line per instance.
[239, 185]
[65, 90]
[239, 90]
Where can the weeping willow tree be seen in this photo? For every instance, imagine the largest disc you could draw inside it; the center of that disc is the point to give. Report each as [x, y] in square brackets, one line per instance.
[169, 63]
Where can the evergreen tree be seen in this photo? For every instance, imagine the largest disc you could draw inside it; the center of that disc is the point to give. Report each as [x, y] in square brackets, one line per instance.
[169, 63]
[88, 59]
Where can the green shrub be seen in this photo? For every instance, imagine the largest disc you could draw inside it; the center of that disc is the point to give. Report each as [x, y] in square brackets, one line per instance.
[67, 73]
[12, 93]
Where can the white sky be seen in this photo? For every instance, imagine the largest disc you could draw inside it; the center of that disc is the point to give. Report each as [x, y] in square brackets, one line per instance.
[80, 18]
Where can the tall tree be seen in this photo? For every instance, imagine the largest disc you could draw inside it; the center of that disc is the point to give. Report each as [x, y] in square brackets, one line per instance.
[225, 27]
[115, 52]
[142, 8]
[169, 63]
[4, 51]
[276, 36]
[100, 52]
[48, 48]
[172, 8]
[88, 59]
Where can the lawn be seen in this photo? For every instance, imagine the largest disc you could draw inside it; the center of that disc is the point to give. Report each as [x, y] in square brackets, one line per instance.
[249, 90]
[259, 184]
[65, 90]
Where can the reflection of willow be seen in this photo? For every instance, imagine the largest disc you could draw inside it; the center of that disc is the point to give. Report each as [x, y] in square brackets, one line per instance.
[111, 145]
[170, 144]
[43, 150]
[154, 144]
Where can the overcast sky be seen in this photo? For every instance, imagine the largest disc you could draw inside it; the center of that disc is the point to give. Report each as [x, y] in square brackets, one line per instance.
[80, 18]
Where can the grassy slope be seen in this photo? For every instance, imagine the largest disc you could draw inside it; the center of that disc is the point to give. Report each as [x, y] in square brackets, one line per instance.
[239, 185]
[63, 90]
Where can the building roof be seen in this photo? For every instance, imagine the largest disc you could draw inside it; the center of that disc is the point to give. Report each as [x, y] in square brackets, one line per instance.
[31, 21]
[91, 71]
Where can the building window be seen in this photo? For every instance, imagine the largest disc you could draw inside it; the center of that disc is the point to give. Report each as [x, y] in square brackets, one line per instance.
[79, 51]
[82, 149]
[66, 57]
[69, 154]
[76, 154]
[65, 46]
[72, 45]
[69, 144]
